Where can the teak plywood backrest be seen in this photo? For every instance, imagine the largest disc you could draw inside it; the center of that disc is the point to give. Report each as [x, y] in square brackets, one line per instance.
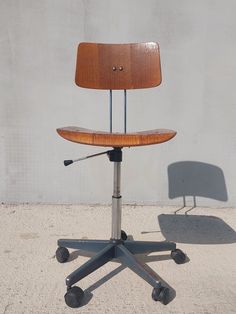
[118, 66]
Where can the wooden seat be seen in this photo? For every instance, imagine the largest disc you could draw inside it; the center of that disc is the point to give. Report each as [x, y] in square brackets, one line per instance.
[99, 138]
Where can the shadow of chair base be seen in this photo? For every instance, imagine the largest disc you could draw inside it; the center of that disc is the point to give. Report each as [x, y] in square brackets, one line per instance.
[124, 251]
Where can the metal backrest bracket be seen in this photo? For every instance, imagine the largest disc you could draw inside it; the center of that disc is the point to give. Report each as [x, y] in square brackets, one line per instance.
[125, 110]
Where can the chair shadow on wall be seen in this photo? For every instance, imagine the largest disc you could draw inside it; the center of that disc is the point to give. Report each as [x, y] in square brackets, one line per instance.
[196, 179]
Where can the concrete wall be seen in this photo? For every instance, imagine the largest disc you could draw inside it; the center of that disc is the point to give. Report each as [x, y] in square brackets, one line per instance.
[38, 41]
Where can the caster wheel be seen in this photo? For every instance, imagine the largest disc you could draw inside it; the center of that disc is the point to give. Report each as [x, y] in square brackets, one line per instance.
[123, 235]
[62, 254]
[178, 256]
[161, 294]
[74, 297]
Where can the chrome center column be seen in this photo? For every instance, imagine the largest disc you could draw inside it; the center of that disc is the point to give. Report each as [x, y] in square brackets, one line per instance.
[116, 203]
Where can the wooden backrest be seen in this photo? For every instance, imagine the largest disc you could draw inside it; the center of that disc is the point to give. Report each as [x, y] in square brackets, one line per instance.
[118, 66]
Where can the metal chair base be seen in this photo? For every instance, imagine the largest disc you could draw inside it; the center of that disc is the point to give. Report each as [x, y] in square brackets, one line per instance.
[107, 250]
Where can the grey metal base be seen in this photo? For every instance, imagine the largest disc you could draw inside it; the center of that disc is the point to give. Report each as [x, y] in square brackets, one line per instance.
[123, 250]
[106, 250]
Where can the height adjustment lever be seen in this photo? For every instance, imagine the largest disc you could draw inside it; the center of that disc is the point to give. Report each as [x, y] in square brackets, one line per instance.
[70, 161]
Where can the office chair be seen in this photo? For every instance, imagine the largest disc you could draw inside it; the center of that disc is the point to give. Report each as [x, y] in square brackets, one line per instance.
[116, 67]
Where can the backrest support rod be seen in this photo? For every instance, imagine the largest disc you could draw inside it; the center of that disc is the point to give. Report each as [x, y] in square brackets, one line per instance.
[125, 111]
[110, 110]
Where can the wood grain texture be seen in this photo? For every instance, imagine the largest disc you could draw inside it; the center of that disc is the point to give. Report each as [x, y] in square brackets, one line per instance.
[99, 138]
[118, 66]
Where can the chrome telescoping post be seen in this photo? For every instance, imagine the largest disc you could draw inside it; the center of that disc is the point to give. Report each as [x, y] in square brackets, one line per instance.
[116, 203]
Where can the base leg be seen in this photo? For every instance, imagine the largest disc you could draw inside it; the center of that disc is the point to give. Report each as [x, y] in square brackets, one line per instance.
[85, 245]
[141, 247]
[130, 261]
[91, 265]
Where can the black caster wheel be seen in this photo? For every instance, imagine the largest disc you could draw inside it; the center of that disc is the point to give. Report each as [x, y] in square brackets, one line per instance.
[161, 294]
[123, 235]
[62, 254]
[178, 256]
[74, 297]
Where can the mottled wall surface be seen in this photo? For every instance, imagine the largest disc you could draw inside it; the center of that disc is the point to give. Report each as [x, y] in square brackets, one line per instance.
[38, 41]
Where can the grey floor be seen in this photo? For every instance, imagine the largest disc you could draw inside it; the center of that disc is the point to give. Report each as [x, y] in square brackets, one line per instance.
[33, 282]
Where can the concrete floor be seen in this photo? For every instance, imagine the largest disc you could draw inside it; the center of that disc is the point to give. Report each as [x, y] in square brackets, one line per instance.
[32, 281]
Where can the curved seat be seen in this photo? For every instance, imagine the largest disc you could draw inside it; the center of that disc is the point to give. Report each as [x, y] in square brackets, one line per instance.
[99, 138]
